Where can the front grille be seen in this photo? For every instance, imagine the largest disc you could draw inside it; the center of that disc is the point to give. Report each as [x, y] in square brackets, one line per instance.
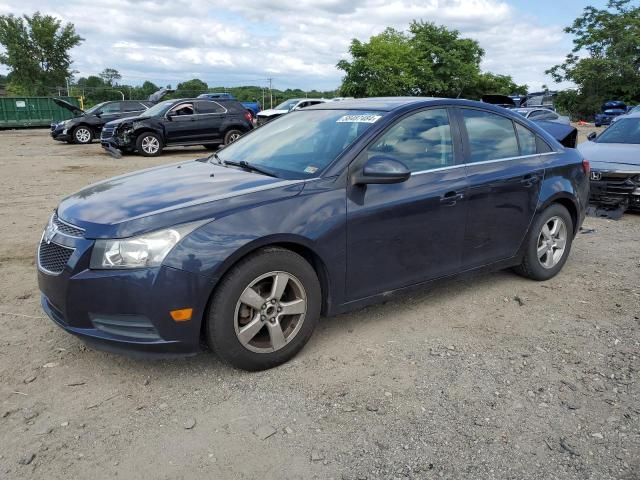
[107, 132]
[66, 228]
[52, 258]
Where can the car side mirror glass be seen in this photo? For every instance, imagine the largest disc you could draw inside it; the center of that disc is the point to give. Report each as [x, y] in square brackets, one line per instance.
[592, 136]
[98, 113]
[382, 169]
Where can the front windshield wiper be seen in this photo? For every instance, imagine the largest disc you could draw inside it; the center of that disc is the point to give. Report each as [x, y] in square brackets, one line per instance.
[244, 165]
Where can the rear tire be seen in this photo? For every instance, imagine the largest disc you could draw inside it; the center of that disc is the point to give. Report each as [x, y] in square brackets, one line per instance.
[548, 244]
[82, 135]
[231, 136]
[248, 325]
[149, 144]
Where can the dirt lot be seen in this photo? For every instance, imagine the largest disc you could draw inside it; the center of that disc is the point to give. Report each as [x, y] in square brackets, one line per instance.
[494, 378]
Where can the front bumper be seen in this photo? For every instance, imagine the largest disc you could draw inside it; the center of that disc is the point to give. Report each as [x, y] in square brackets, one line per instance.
[59, 133]
[125, 311]
[615, 191]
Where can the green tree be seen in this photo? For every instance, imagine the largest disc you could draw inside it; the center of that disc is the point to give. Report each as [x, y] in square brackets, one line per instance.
[110, 76]
[381, 67]
[37, 51]
[191, 88]
[428, 60]
[605, 60]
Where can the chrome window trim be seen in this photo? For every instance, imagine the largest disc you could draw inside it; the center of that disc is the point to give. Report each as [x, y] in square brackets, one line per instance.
[483, 163]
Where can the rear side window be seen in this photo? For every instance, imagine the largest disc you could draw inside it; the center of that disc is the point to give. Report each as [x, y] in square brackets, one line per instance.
[527, 140]
[421, 141]
[113, 107]
[210, 107]
[491, 136]
[132, 106]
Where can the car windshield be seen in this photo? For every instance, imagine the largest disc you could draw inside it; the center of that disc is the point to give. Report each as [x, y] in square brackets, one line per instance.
[626, 130]
[95, 108]
[159, 109]
[302, 144]
[288, 105]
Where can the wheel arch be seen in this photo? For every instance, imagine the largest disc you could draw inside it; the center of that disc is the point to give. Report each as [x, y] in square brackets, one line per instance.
[567, 201]
[299, 245]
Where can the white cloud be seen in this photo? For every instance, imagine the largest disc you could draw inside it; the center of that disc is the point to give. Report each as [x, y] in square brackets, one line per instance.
[298, 42]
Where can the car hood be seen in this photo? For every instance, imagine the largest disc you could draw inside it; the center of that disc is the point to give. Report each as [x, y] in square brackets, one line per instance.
[614, 156]
[270, 112]
[68, 106]
[118, 121]
[165, 196]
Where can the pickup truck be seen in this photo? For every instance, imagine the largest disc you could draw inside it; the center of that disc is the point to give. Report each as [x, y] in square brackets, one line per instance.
[253, 107]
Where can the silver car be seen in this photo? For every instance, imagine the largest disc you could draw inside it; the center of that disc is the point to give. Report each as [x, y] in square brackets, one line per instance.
[540, 113]
[615, 163]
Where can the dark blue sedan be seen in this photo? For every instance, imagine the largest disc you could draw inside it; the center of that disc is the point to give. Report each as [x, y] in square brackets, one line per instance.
[322, 211]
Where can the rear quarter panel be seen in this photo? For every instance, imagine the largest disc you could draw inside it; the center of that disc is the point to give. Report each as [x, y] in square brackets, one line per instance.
[565, 181]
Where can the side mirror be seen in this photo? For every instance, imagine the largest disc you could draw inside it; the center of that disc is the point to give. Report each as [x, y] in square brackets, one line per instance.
[592, 136]
[98, 113]
[381, 169]
[170, 116]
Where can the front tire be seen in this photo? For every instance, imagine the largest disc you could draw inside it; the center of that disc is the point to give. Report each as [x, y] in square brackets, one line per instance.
[264, 310]
[149, 144]
[231, 136]
[82, 135]
[548, 244]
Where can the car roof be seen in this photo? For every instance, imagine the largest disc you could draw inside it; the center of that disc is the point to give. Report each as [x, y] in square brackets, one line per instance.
[388, 104]
[531, 109]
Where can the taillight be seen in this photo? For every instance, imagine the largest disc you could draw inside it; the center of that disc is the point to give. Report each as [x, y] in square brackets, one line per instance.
[248, 116]
[585, 166]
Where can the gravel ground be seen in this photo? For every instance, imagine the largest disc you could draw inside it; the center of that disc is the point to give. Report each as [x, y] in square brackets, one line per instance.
[493, 377]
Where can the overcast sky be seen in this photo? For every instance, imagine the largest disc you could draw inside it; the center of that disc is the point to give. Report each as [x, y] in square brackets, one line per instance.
[296, 42]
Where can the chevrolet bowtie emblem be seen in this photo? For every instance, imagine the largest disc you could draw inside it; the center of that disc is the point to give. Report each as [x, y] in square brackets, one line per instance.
[50, 232]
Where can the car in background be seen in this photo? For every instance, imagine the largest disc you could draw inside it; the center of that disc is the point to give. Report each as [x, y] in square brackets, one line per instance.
[286, 107]
[542, 114]
[630, 110]
[87, 125]
[253, 107]
[615, 164]
[609, 111]
[181, 122]
[325, 210]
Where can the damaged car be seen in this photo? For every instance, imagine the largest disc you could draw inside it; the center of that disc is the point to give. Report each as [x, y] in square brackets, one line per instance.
[615, 164]
[285, 107]
[609, 111]
[87, 125]
[182, 122]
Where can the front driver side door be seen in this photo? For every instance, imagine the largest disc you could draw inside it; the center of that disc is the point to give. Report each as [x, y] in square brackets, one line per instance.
[406, 233]
[179, 124]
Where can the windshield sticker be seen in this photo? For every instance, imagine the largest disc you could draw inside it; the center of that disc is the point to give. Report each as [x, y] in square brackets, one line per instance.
[359, 119]
[311, 169]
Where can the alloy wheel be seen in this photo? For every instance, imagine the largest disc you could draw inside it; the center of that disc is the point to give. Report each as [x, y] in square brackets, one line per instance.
[150, 145]
[233, 137]
[552, 242]
[270, 312]
[83, 135]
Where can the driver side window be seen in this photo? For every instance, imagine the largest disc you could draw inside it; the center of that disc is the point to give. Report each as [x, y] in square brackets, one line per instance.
[421, 141]
[182, 109]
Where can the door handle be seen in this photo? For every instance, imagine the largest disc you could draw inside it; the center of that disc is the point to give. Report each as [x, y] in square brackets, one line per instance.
[450, 198]
[530, 179]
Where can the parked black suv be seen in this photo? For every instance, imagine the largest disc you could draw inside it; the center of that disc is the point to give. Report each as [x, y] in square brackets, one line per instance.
[182, 122]
[87, 125]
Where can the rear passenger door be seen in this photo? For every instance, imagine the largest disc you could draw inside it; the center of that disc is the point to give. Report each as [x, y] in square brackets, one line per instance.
[504, 172]
[209, 119]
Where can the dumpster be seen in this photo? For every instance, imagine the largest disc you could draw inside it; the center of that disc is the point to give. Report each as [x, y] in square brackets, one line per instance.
[32, 111]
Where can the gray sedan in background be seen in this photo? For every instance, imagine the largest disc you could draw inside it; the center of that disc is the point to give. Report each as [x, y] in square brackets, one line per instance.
[615, 164]
[539, 113]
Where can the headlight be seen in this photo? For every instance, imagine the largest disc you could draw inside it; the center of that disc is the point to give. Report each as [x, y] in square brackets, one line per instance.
[147, 250]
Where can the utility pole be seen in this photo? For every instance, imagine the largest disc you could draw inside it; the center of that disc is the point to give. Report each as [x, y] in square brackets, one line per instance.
[270, 92]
